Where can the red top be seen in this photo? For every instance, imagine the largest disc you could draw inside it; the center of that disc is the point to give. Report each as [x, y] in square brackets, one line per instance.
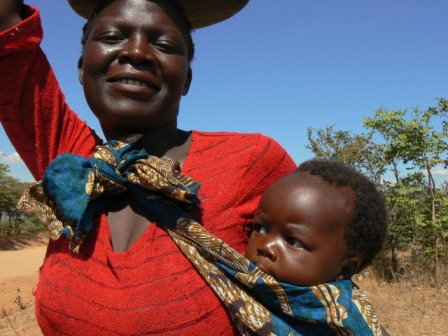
[151, 288]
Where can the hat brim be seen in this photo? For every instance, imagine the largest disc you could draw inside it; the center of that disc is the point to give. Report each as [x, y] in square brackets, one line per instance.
[200, 13]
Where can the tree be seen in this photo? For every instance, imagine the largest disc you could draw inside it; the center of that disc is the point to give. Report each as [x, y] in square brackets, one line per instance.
[11, 190]
[358, 151]
[405, 144]
[417, 144]
[3, 190]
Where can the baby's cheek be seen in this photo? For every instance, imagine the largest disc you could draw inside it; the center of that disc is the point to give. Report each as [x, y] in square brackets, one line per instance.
[250, 250]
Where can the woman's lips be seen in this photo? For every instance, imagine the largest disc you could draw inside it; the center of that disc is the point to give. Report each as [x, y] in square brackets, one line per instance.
[134, 83]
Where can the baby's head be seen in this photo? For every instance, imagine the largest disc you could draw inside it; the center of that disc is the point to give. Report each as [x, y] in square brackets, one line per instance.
[322, 223]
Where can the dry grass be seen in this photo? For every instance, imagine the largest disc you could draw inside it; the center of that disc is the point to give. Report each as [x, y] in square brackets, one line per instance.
[17, 316]
[407, 309]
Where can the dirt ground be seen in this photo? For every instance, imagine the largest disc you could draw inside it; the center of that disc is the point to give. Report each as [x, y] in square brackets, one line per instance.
[20, 260]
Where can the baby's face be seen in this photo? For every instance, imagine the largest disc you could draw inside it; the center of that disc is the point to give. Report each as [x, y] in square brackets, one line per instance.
[298, 234]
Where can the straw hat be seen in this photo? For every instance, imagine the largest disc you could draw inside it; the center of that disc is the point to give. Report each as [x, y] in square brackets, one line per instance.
[200, 13]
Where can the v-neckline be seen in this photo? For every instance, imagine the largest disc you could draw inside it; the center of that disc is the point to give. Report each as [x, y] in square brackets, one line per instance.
[137, 241]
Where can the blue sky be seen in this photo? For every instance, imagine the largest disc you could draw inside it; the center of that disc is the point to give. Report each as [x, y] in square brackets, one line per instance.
[279, 67]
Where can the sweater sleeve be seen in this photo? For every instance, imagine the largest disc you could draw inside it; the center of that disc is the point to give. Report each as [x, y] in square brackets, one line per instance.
[33, 110]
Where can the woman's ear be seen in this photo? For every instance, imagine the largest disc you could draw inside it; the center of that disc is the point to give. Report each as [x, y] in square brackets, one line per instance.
[80, 61]
[187, 81]
[349, 267]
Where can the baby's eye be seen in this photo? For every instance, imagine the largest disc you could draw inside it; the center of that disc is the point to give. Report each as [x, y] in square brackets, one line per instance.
[259, 228]
[294, 242]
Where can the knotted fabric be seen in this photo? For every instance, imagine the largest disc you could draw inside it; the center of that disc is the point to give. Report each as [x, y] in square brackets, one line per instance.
[74, 190]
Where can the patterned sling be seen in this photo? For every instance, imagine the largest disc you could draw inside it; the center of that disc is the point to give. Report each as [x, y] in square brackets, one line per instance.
[75, 190]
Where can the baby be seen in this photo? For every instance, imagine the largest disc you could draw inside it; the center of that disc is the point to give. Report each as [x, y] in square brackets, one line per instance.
[313, 230]
[323, 223]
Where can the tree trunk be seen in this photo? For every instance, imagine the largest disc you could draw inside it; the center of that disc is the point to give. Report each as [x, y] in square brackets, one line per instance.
[431, 187]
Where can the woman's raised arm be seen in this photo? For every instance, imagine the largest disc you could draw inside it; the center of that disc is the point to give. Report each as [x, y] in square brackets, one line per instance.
[33, 110]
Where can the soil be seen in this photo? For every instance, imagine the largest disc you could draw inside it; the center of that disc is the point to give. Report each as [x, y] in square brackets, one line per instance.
[20, 259]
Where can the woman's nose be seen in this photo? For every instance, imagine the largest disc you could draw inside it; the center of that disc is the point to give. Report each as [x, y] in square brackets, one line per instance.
[137, 50]
[268, 248]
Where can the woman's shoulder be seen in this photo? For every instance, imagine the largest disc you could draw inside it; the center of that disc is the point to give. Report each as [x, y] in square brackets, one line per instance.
[253, 149]
[255, 142]
[229, 136]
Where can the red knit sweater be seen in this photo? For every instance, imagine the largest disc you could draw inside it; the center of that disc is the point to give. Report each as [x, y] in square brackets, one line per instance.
[151, 288]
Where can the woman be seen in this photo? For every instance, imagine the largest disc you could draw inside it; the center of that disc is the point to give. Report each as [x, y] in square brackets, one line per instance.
[129, 277]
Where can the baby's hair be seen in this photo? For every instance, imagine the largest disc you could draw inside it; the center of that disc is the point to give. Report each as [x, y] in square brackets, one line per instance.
[367, 227]
[104, 3]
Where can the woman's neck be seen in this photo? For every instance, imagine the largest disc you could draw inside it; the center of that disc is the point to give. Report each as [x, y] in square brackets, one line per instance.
[168, 141]
[174, 144]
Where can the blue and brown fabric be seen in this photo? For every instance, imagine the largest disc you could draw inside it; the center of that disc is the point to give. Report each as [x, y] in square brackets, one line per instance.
[75, 190]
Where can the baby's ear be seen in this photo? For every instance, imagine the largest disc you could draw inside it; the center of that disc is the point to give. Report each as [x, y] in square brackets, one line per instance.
[349, 267]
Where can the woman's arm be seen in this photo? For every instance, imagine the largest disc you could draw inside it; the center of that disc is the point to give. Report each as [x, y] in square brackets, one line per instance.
[33, 110]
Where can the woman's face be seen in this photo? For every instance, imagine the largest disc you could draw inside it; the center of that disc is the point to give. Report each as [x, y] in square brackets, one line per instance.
[135, 67]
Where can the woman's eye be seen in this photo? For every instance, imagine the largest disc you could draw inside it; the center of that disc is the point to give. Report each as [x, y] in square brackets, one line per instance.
[294, 242]
[166, 47]
[259, 228]
[111, 38]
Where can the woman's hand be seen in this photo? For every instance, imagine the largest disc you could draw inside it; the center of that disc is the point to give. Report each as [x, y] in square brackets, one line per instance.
[10, 13]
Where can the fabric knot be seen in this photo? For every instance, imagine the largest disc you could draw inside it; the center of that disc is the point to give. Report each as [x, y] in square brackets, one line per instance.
[75, 189]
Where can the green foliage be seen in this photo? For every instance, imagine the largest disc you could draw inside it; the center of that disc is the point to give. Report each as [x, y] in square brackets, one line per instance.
[411, 138]
[11, 220]
[358, 151]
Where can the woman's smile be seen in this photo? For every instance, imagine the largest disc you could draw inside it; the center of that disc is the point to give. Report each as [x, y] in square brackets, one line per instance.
[135, 84]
